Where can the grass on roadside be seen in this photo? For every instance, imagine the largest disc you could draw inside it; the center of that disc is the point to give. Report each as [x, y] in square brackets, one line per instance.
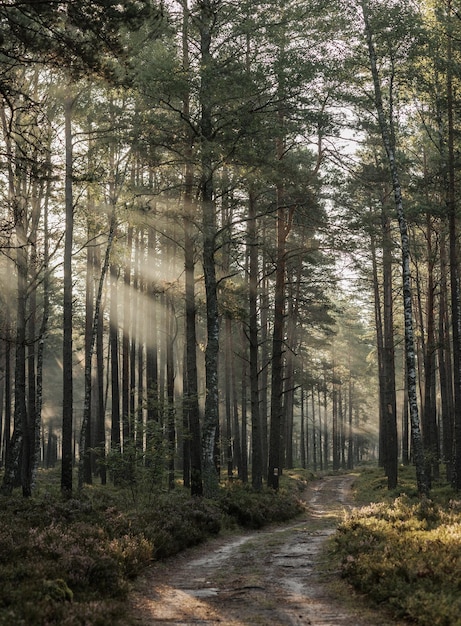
[402, 553]
[70, 562]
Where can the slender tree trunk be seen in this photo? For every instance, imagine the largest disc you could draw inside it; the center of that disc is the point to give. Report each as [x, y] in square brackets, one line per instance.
[335, 435]
[191, 395]
[418, 453]
[211, 418]
[350, 433]
[7, 422]
[321, 451]
[430, 430]
[114, 360]
[126, 425]
[275, 437]
[453, 254]
[405, 421]
[256, 427]
[228, 398]
[276, 413]
[89, 354]
[89, 316]
[264, 356]
[2, 397]
[141, 342]
[191, 403]
[20, 410]
[152, 346]
[326, 443]
[314, 432]
[171, 429]
[445, 369]
[237, 448]
[134, 303]
[302, 432]
[43, 326]
[244, 396]
[390, 448]
[67, 402]
[100, 425]
[380, 349]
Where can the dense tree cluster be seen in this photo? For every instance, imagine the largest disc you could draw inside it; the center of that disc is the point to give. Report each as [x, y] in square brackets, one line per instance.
[182, 185]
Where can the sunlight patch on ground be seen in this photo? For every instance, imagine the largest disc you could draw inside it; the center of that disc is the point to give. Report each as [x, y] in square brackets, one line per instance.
[177, 605]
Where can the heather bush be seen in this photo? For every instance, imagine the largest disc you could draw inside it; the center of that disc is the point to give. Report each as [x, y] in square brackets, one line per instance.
[69, 562]
[255, 510]
[405, 554]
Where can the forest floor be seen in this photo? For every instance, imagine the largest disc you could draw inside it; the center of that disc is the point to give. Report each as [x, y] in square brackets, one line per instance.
[273, 577]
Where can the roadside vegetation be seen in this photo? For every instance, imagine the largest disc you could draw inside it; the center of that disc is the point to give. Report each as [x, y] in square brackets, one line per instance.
[404, 553]
[70, 562]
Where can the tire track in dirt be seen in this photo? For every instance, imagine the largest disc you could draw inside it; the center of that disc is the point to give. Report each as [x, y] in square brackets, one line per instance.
[272, 577]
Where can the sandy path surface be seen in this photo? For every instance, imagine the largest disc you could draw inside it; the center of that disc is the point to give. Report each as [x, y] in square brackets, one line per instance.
[271, 577]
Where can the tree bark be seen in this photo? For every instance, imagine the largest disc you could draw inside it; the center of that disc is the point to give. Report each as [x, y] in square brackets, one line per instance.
[89, 354]
[387, 137]
[256, 426]
[114, 360]
[455, 289]
[211, 418]
[67, 402]
[126, 424]
[276, 433]
[390, 447]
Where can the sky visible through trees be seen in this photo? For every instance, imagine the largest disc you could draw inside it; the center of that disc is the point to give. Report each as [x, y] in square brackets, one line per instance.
[228, 240]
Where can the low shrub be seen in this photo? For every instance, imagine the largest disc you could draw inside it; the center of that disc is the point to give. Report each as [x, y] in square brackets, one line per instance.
[405, 554]
[254, 510]
[69, 562]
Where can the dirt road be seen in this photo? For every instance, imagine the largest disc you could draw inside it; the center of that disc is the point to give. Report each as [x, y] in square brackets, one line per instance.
[271, 577]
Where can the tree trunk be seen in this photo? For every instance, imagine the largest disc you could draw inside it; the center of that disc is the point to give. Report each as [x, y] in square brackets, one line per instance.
[453, 255]
[350, 433]
[126, 425]
[276, 433]
[89, 354]
[89, 316]
[445, 369]
[67, 402]
[171, 429]
[302, 433]
[211, 418]
[335, 436]
[387, 135]
[256, 427]
[244, 396]
[390, 448]
[192, 432]
[100, 422]
[152, 347]
[114, 360]
[430, 430]
[228, 397]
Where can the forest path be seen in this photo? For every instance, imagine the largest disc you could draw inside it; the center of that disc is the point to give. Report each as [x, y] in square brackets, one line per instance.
[271, 577]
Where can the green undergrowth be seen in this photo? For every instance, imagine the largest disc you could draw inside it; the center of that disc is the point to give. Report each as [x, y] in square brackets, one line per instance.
[404, 554]
[70, 562]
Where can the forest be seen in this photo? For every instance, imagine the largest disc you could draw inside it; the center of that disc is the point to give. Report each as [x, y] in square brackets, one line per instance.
[229, 240]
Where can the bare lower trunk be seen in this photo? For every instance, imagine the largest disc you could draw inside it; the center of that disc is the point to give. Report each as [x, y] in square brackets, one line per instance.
[256, 426]
[67, 403]
[211, 418]
[89, 355]
[385, 127]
